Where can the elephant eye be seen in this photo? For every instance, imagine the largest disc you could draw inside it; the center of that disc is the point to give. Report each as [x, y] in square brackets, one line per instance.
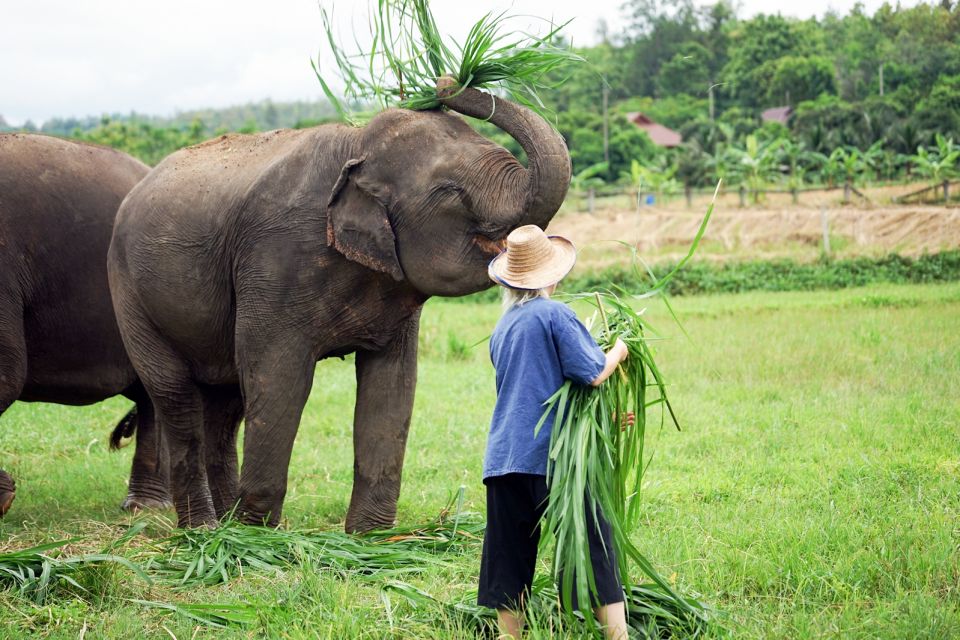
[448, 188]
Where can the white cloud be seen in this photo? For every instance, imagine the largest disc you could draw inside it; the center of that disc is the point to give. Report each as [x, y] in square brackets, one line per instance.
[68, 58]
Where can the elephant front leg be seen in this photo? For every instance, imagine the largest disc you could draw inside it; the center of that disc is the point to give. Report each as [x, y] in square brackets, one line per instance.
[386, 381]
[276, 384]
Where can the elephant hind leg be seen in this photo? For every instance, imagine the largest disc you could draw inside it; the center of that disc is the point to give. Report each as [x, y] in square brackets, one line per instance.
[13, 374]
[222, 412]
[13, 352]
[179, 413]
[149, 474]
[177, 405]
[8, 490]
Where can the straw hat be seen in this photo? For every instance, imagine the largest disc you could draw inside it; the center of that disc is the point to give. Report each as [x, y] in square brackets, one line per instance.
[532, 259]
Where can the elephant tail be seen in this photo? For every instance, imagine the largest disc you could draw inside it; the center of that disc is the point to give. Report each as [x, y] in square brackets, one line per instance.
[124, 429]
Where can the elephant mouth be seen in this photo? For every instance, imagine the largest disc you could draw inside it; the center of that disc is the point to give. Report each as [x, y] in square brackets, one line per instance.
[490, 248]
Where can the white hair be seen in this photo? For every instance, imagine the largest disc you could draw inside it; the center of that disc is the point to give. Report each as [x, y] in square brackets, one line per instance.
[516, 297]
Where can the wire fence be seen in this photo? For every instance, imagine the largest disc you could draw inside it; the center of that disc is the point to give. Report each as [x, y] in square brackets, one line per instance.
[587, 199]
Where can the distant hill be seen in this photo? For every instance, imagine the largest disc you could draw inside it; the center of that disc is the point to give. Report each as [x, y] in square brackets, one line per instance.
[254, 116]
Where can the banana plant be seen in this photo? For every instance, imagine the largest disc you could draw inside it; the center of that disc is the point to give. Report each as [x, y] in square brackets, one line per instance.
[758, 164]
[795, 161]
[940, 163]
[658, 179]
[874, 158]
[588, 180]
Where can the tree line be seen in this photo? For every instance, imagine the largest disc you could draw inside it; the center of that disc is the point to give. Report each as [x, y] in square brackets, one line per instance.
[870, 95]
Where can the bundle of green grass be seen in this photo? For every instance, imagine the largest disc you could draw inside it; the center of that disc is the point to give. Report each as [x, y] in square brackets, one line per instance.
[596, 460]
[408, 55]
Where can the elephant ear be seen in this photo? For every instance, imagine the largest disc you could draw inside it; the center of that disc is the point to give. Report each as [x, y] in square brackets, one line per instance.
[358, 225]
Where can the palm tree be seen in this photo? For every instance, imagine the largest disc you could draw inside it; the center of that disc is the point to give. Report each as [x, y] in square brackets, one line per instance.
[658, 179]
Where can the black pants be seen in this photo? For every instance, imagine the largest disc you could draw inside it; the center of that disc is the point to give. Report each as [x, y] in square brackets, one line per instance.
[515, 504]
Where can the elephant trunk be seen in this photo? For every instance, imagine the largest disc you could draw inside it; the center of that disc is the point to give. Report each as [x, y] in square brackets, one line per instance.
[548, 166]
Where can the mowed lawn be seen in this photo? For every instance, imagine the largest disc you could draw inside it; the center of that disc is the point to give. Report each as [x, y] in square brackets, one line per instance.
[813, 493]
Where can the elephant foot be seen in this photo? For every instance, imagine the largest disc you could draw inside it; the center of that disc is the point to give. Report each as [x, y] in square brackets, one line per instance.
[197, 522]
[8, 491]
[373, 506]
[364, 523]
[147, 496]
[136, 503]
[259, 511]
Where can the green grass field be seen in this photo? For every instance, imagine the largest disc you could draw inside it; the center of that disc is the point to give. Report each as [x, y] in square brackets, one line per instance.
[814, 491]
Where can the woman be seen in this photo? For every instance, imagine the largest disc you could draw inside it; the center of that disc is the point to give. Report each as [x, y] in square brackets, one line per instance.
[537, 344]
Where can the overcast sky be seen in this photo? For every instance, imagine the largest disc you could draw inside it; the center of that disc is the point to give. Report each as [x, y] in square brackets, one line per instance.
[68, 58]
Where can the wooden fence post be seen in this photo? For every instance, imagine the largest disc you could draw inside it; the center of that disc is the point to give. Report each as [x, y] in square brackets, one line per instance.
[846, 192]
[591, 194]
[946, 191]
[825, 226]
[743, 196]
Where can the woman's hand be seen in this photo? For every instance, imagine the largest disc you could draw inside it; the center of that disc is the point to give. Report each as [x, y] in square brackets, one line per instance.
[617, 354]
[628, 420]
[619, 349]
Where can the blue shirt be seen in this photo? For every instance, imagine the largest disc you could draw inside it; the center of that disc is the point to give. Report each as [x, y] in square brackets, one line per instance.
[534, 348]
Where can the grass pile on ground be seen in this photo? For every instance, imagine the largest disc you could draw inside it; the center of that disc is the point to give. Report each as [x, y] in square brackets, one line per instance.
[36, 572]
[408, 54]
[192, 557]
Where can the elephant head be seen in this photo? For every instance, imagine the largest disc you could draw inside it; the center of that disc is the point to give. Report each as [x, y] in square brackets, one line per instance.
[429, 201]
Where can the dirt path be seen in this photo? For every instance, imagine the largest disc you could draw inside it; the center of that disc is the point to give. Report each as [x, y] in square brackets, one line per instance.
[753, 233]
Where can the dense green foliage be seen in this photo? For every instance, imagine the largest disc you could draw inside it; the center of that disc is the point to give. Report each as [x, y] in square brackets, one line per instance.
[787, 275]
[770, 275]
[709, 74]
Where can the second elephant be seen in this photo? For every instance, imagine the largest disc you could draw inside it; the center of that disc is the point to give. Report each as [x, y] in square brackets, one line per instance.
[59, 340]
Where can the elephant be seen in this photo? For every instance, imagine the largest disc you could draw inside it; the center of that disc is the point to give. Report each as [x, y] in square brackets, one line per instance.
[59, 339]
[239, 263]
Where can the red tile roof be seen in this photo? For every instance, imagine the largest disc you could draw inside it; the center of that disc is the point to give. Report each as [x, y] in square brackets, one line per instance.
[661, 135]
[777, 114]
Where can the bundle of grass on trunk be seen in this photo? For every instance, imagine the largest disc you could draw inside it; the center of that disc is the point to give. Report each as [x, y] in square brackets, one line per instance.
[596, 462]
[408, 54]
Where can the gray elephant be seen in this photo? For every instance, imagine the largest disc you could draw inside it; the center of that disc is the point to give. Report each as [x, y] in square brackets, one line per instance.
[59, 340]
[237, 264]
